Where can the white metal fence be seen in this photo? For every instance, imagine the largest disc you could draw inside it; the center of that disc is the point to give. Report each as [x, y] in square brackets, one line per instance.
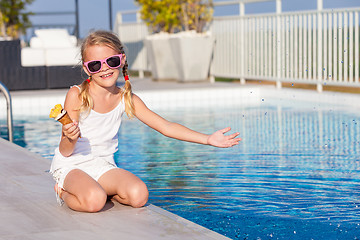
[319, 47]
[133, 35]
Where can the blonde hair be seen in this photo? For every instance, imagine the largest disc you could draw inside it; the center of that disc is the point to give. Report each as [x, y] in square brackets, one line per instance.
[110, 40]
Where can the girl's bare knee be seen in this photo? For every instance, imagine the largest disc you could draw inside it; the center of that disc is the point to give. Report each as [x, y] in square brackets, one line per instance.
[95, 201]
[138, 195]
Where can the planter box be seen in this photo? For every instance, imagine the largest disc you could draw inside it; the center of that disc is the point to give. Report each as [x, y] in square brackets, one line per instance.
[160, 57]
[183, 57]
[193, 57]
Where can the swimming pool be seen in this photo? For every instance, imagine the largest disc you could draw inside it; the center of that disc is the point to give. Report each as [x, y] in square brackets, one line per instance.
[295, 175]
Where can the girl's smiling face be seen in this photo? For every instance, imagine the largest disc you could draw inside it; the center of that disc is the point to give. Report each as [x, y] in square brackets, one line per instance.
[106, 77]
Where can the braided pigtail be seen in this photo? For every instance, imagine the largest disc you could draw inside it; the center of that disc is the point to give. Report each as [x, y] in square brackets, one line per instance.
[87, 101]
[129, 105]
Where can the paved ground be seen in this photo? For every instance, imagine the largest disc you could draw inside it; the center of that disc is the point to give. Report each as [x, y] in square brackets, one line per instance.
[143, 84]
[140, 84]
[28, 208]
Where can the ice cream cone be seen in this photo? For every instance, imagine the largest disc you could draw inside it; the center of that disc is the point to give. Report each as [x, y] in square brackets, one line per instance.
[64, 119]
[60, 114]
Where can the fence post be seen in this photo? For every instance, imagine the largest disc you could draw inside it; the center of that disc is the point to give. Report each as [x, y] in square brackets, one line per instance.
[319, 86]
[138, 20]
[119, 19]
[242, 47]
[278, 45]
[117, 23]
[211, 75]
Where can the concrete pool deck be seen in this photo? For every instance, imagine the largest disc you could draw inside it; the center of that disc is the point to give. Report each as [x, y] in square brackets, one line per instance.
[27, 200]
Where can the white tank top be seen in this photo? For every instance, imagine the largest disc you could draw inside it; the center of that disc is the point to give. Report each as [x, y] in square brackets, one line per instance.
[99, 138]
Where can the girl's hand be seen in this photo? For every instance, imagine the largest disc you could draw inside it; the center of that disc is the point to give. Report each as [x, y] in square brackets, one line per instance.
[71, 131]
[218, 139]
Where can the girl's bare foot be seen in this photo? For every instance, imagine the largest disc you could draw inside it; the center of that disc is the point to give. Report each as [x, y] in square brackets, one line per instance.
[59, 191]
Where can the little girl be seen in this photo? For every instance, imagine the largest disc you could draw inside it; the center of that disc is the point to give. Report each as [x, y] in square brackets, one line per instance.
[83, 165]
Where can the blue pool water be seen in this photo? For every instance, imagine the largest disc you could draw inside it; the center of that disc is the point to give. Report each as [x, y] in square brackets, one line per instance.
[295, 175]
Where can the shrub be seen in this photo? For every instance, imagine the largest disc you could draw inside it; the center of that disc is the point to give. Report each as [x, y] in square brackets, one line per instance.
[176, 15]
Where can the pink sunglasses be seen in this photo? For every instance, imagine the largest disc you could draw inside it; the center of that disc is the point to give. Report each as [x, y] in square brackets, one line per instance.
[95, 66]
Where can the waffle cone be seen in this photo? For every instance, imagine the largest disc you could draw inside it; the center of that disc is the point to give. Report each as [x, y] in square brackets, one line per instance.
[65, 119]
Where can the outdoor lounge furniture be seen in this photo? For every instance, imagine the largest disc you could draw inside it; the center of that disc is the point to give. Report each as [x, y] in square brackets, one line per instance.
[51, 61]
[51, 47]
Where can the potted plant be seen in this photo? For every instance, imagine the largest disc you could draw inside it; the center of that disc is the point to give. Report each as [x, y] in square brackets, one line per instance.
[13, 21]
[179, 48]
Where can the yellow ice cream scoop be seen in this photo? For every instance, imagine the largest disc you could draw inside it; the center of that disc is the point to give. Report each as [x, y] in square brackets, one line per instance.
[55, 111]
[60, 114]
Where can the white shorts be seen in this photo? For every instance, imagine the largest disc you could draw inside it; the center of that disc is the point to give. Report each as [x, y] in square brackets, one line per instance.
[94, 168]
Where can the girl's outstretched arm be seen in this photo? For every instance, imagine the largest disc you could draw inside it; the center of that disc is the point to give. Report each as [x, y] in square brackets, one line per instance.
[180, 132]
